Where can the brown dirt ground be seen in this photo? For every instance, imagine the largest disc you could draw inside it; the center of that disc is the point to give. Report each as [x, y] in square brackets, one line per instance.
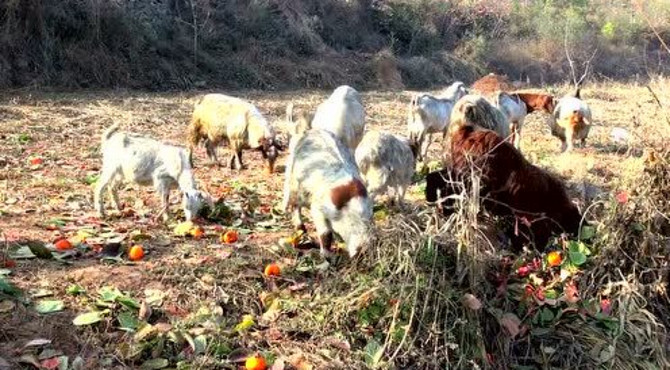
[64, 130]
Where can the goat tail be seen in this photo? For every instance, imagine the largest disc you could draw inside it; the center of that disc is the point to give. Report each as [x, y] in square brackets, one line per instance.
[110, 131]
[194, 130]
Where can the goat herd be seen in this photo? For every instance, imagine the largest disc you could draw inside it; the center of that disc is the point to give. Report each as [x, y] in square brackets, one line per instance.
[337, 169]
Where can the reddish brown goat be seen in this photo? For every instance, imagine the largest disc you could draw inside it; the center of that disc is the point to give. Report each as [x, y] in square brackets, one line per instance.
[492, 83]
[537, 102]
[511, 186]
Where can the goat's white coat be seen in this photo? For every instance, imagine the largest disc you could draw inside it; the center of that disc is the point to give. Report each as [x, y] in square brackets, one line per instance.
[343, 115]
[145, 161]
[429, 114]
[319, 162]
[515, 110]
[565, 107]
[385, 162]
[230, 119]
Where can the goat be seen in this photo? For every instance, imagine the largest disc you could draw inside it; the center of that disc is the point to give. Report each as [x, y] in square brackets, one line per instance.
[321, 172]
[343, 115]
[144, 161]
[570, 121]
[511, 186]
[220, 118]
[429, 114]
[476, 110]
[491, 83]
[385, 161]
[515, 110]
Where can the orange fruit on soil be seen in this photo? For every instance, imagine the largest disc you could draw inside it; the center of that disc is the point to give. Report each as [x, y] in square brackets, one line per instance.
[230, 236]
[36, 161]
[197, 232]
[272, 270]
[63, 245]
[554, 258]
[135, 253]
[255, 363]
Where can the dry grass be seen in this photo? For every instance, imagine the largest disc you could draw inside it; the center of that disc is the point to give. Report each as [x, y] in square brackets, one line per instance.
[402, 298]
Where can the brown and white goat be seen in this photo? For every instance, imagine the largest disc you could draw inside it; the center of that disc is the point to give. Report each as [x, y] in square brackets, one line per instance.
[321, 173]
[571, 121]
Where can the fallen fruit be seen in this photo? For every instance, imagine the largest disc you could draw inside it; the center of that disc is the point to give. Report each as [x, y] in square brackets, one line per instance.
[255, 363]
[36, 161]
[9, 264]
[197, 232]
[229, 237]
[63, 245]
[272, 270]
[135, 253]
[554, 258]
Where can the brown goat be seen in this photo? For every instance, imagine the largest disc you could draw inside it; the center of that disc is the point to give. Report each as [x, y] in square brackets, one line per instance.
[492, 83]
[511, 186]
[537, 102]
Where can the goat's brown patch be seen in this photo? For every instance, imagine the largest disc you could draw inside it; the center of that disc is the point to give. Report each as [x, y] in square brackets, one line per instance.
[537, 102]
[340, 195]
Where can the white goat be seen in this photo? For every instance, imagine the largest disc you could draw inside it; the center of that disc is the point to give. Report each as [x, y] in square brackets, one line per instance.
[220, 118]
[455, 91]
[571, 121]
[428, 115]
[385, 161]
[321, 173]
[144, 161]
[515, 110]
[343, 115]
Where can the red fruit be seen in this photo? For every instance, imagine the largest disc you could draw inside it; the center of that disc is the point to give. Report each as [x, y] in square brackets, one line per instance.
[9, 263]
[523, 271]
[36, 161]
[606, 306]
[63, 245]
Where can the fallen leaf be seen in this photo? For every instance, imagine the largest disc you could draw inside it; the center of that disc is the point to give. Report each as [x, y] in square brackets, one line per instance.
[37, 343]
[23, 252]
[88, 318]
[246, 323]
[30, 359]
[154, 364]
[49, 306]
[511, 323]
[144, 312]
[471, 302]
[75, 289]
[300, 362]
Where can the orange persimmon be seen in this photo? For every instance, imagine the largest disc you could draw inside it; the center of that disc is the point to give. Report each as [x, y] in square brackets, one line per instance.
[255, 363]
[136, 253]
[229, 237]
[554, 258]
[272, 270]
[63, 244]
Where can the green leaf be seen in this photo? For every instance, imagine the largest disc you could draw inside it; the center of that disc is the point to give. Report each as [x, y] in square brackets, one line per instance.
[40, 250]
[89, 318]
[128, 321]
[588, 232]
[75, 289]
[91, 179]
[8, 288]
[373, 352]
[547, 315]
[200, 344]
[49, 306]
[23, 252]
[154, 364]
[109, 294]
[128, 302]
[577, 258]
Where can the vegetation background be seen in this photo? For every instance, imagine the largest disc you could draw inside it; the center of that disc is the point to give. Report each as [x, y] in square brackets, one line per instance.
[177, 44]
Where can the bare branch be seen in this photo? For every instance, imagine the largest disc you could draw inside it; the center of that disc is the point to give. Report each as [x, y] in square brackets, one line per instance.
[587, 67]
[567, 54]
